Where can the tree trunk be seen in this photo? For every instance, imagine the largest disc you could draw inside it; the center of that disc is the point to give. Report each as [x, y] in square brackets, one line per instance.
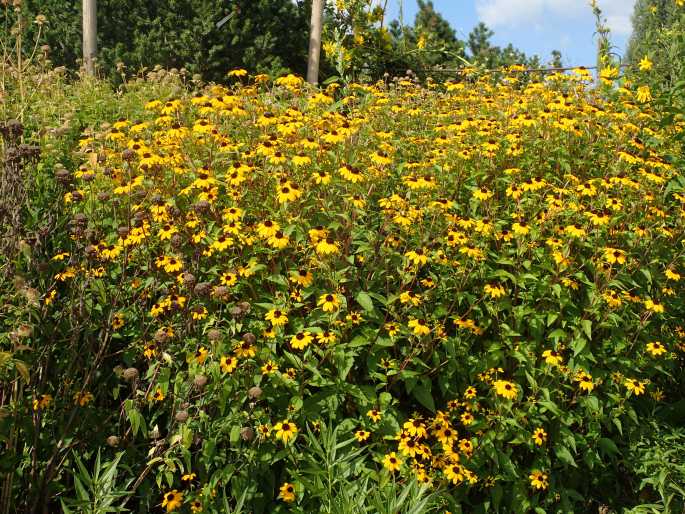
[315, 42]
[90, 31]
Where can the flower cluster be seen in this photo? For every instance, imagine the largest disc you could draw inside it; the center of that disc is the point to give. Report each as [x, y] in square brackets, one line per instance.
[461, 275]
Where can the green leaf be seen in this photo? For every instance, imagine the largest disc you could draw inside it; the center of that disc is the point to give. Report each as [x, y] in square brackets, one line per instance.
[608, 447]
[564, 455]
[422, 392]
[587, 328]
[578, 346]
[365, 301]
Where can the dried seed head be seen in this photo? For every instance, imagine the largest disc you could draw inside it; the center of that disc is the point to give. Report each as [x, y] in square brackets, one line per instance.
[161, 336]
[113, 441]
[246, 434]
[130, 374]
[202, 289]
[249, 338]
[254, 393]
[214, 335]
[200, 381]
[182, 416]
[188, 279]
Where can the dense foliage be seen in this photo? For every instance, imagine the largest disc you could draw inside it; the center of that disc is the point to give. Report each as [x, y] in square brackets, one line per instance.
[278, 297]
[262, 35]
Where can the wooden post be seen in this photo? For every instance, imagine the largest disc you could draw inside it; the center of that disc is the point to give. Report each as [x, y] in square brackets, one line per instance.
[315, 42]
[90, 32]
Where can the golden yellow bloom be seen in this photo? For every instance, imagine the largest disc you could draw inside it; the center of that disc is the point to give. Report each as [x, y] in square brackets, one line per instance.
[172, 500]
[539, 436]
[287, 492]
[329, 302]
[392, 462]
[538, 480]
[507, 389]
[645, 63]
[375, 415]
[635, 386]
[277, 317]
[419, 327]
[285, 430]
[301, 340]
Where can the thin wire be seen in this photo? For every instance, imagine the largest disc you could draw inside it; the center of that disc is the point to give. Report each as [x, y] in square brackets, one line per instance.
[508, 69]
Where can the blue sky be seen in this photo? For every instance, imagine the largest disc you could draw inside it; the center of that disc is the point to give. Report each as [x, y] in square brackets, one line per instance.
[534, 26]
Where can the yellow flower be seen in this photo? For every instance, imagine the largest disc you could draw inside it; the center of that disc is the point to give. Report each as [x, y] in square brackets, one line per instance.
[288, 193]
[267, 229]
[656, 349]
[287, 492]
[585, 381]
[172, 500]
[635, 386]
[643, 94]
[455, 473]
[228, 364]
[671, 274]
[417, 257]
[495, 291]
[653, 306]
[419, 327]
[539, 436]
[392, 462]
[506, 389]
[238, 72]
[483, 193]
[42, 401]
[375, 415]
[327, 246]
[301, 340]
[538, 480]
[158, 395]
[613, 256]
[277, 317]
[552, 357]
[285, 430]
[362, 435]
[329, 302]
[645, 63]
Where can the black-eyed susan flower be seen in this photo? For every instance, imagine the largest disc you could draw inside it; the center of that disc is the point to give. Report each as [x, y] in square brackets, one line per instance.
[506, 389]
[172, 500]
[635, 386]
[228, 364]
[301, 340]
[285, 430]
[329, 302]
[656, 348]
[419, 327]
[374, 415]
[392, 462]
[287, 492]
[362, 435]
[552, 357]
[539, 436]
[538, 480]
[277, 317]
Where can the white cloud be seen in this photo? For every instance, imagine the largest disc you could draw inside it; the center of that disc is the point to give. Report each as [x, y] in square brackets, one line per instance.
[618, 13]
[518, 13]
